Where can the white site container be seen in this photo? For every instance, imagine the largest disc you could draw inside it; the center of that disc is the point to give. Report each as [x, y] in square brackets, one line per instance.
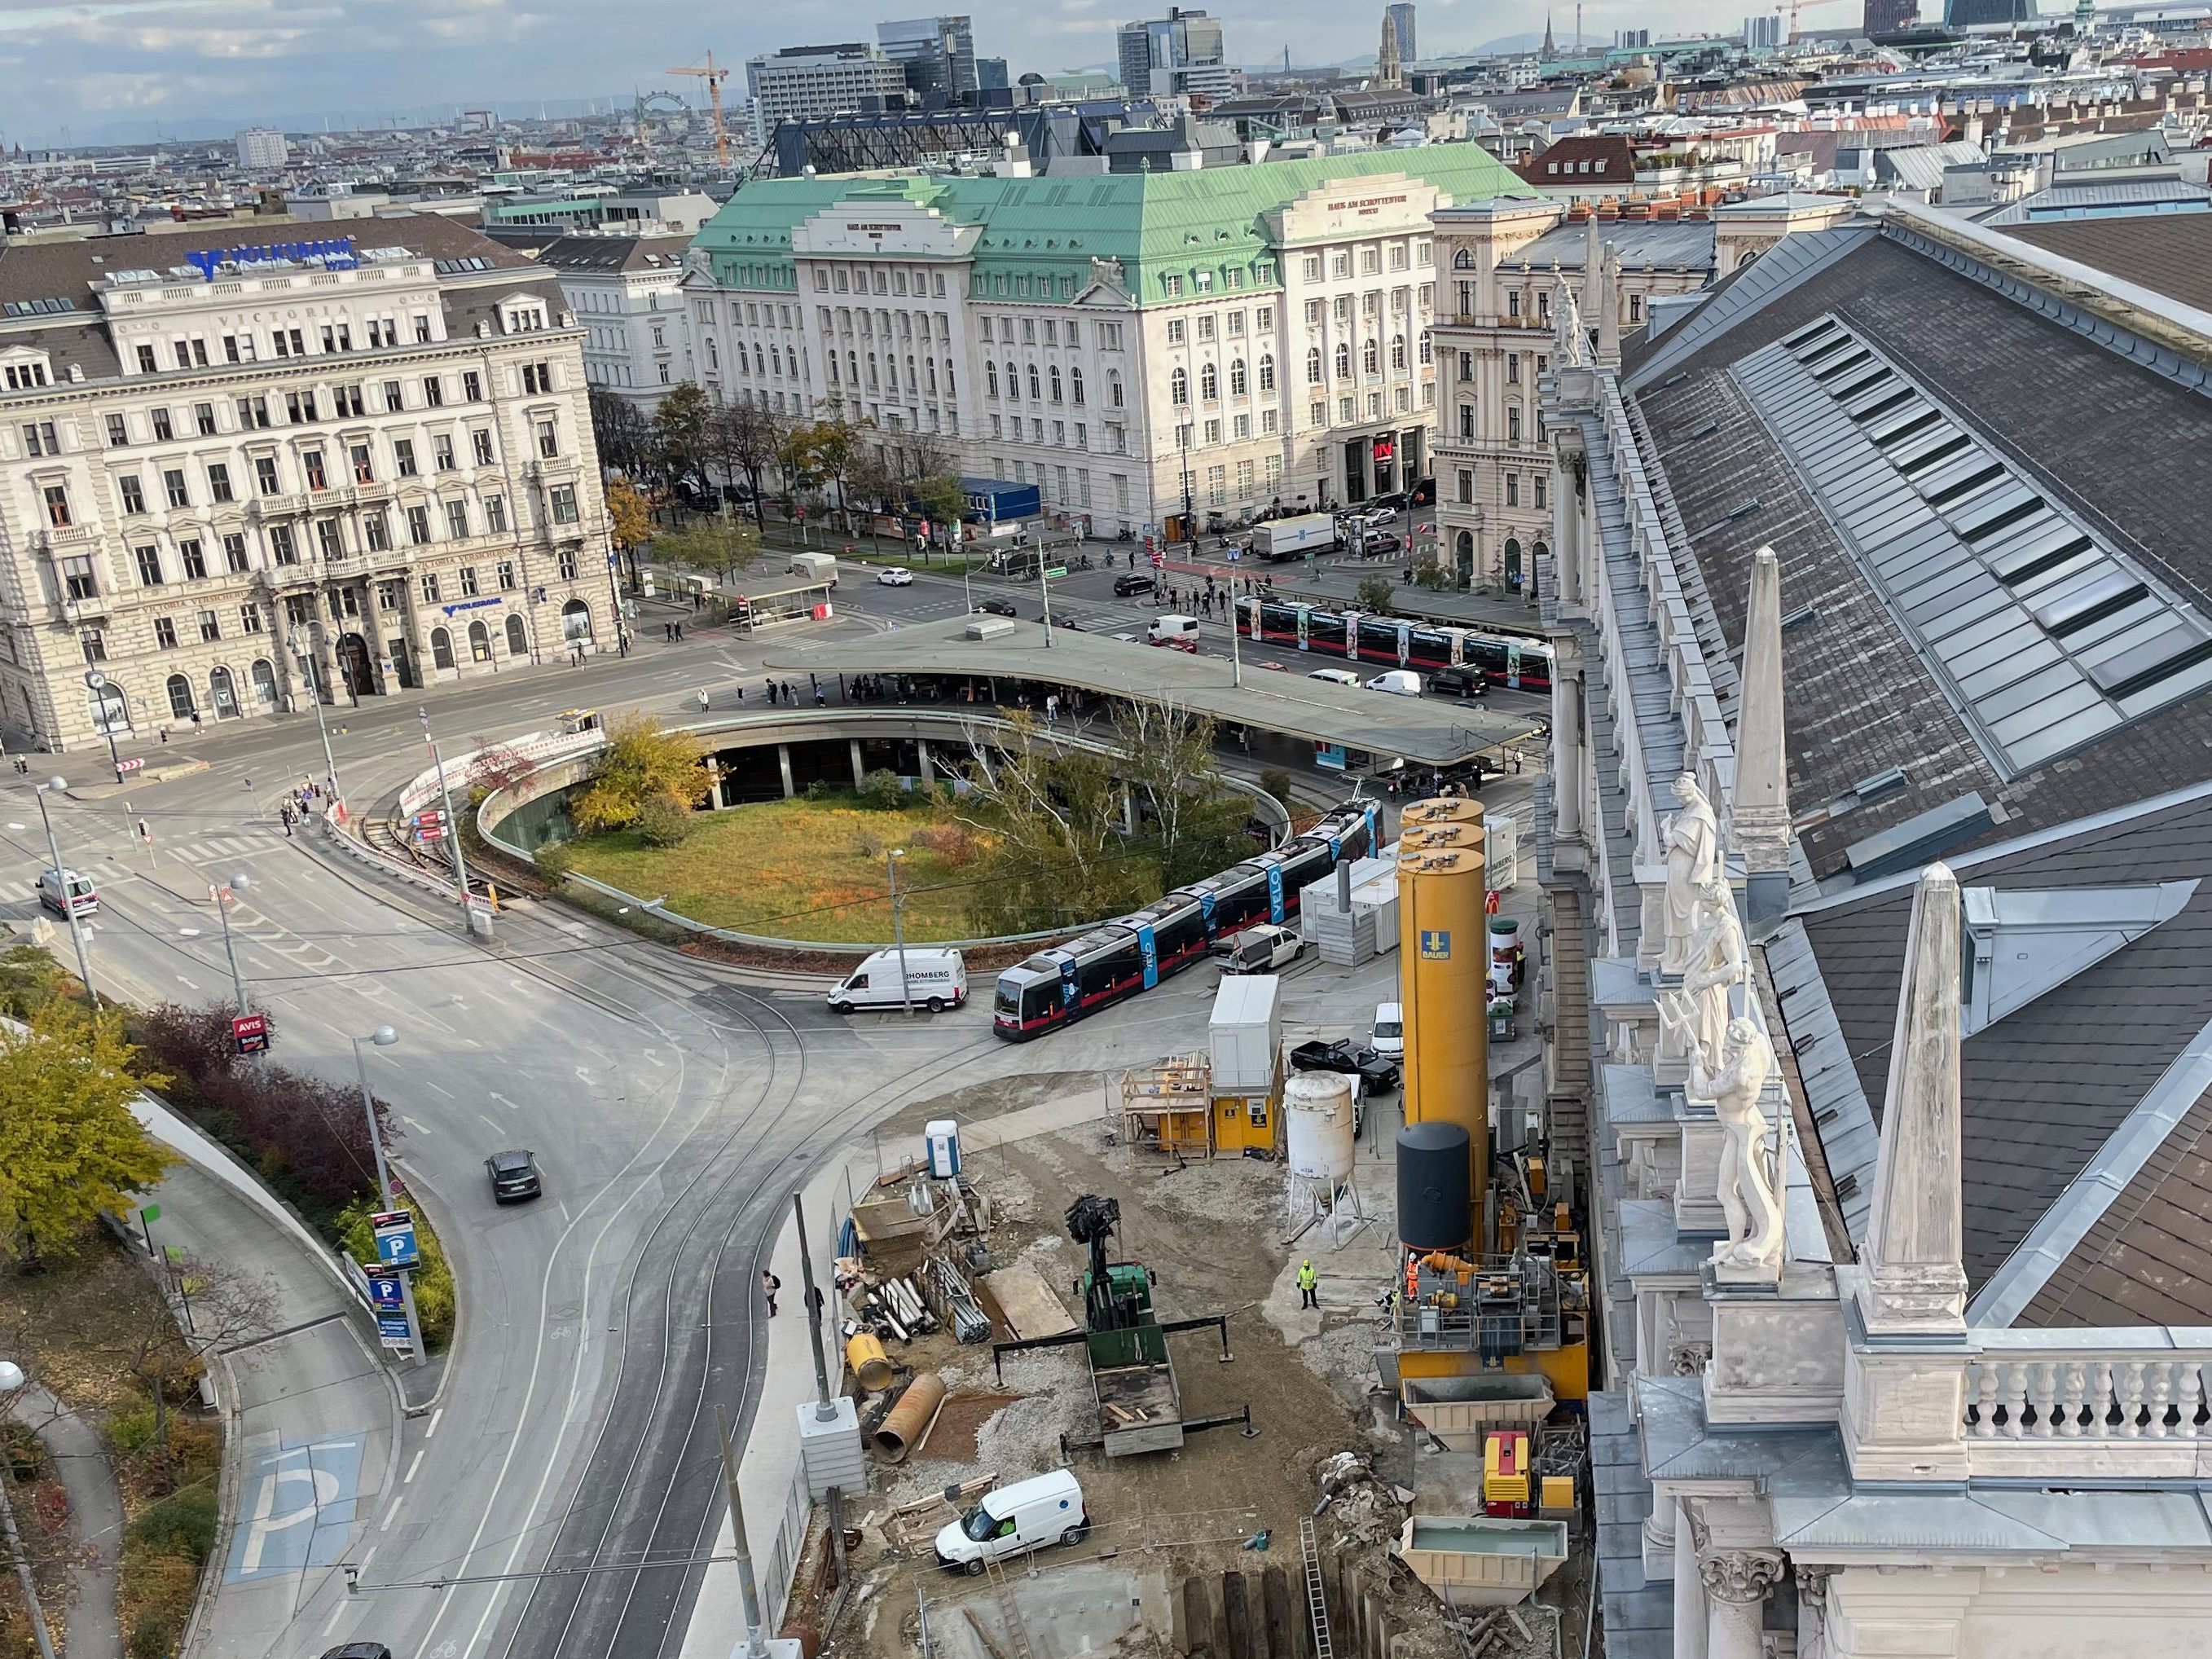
[1246, 1033]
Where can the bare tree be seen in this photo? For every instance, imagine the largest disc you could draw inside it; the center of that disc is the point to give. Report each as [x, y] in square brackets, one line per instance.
[205, 1305]
[1053, 818]
[744, 440]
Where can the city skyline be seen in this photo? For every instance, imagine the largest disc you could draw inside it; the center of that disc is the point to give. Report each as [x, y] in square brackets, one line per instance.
[132, 71]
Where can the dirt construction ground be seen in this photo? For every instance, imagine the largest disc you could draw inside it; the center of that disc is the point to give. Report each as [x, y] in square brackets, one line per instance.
[1216, 1235]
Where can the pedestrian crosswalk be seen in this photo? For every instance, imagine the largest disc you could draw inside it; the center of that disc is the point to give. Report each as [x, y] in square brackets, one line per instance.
[213, 847]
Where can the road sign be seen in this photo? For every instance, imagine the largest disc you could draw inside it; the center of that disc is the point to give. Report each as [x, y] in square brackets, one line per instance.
[430, 825]
[392, 1331]
[386, 1294]
[251, 1033]
[395, 1238]
[149, 1212]
[1055, 573]
[133, 765]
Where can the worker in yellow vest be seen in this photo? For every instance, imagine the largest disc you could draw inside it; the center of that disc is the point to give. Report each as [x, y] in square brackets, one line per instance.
[1308, 1282]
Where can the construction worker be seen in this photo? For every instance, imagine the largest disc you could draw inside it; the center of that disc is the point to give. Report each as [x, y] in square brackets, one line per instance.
[1308, 1284]
[1412, 1279]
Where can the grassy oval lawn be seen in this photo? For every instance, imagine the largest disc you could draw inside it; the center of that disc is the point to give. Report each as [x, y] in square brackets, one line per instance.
[801, 869]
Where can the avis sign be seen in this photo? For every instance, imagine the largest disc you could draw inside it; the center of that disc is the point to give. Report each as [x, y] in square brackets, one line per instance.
[249, 1033]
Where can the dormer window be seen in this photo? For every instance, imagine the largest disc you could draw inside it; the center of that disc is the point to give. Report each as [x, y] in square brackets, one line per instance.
[524, 316]
[24, 371]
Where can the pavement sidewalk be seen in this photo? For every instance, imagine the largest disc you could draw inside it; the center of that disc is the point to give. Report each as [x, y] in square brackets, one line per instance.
[96, 1518]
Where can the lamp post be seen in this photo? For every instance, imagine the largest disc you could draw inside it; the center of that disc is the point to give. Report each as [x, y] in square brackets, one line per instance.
[96, 683]
[898, 928]
[452, 831]
[11, 1378]
[307, 666]
[383, 1037]
[224, 897]
[68, 899]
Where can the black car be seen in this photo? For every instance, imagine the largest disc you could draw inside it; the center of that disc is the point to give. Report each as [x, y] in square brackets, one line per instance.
[1377, 1073]
[1130, 582]
[359, 1651]
[1462, 683]
[998, 607]
[1397, 498]
[514, 1176]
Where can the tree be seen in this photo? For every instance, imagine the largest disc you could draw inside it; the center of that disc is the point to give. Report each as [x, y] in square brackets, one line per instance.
[680, 426]
[69, 1146]
[206, 1305]
[941, 498]
[640, 761]
[746, 439]
[817, 453]
[623, 436]
[721, 547]
[1191, 821]
[630, 520]
[1051, 820]
[494, 767]
[1375, 594]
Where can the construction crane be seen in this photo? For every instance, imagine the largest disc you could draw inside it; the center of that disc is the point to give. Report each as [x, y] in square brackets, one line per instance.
[714, 77]
[1793, 7]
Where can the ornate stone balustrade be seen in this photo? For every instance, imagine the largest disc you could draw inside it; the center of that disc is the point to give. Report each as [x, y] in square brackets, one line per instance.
[2084, 1403]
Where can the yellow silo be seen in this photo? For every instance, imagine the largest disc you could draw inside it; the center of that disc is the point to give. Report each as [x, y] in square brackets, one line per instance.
[1443, 974]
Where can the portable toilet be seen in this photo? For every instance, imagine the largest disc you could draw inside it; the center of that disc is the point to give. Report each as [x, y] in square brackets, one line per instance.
[941, 1141]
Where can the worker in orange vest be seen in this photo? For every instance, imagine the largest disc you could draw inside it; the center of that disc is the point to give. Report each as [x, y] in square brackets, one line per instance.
[1412, 1278]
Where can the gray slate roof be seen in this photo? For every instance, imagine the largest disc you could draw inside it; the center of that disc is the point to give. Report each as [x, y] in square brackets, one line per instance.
[1641, 243]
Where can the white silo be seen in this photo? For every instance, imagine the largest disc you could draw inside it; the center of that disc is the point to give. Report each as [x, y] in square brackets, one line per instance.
[1317, 1130]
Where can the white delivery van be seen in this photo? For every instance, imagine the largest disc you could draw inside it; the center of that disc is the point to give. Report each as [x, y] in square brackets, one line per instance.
[935, 979]
[1398, 681]
[813, 568]
[1260, 950]
[1389, 1035]
[1023, 1516]
[1173, 630]
[82, 900]
[1334, 676]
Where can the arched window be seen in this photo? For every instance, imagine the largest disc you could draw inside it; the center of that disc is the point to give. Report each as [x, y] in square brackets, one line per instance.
[990, 377]
[872, 381]
[1267, 371]
[1236, 384]
[1036, 394]
[1463, 260]
[1055, 383]
[912, 385]
[948, 378]
[181, 697]
[1428, 351]
[264, 674]
[760, 363]
[1313, 365]
[575, 621]
[1398, 351]
[929, 369]
[441, 648]
[518, 642]
[1075, 386]
[1463, 553]
[223, 691]
[1343, 361]
[832, 360]
[1370, 356]
[479, 642]
[774, 360]
[1179, 387]
[853, 366]
[1013, 380]
[714, 353]
[1114, 387]
[1209, 382]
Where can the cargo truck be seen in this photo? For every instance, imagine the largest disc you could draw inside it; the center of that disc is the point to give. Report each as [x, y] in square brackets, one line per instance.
[1288, 538]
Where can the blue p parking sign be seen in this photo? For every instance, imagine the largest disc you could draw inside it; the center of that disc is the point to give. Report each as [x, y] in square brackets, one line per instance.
[395, 1238]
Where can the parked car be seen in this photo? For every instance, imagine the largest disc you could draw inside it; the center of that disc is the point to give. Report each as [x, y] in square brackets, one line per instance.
[1016, 1518]
[514, 1176]
[1130, 582]
[1377, 1073]
[998, 607]
[1130, 639]
[894, 576]
[1334, 676]
[359, 1651]
[1389, 1030]
[1398, 681]
[1465, 683]
[1259, 949]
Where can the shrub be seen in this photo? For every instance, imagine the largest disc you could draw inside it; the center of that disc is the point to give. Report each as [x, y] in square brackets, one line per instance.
[130, 1428]
[183, 1523]
[1374, 595]
[434, 1278]
[871, 843]
[954, 843]
[821, 790]
[152, 1637]
[882, 792]
[553, 860]
[1431, 575]
[663, 821]
[1277, 782]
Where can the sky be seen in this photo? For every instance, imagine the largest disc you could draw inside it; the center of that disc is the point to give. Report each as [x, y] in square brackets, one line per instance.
[129, 70]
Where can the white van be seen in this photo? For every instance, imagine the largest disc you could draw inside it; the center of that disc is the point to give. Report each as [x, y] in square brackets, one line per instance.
[1398, 681]
[1334, 676]
[83, 899]
[1181, 631]
[1023, 1516]
[1389, 1038]
[935, 979]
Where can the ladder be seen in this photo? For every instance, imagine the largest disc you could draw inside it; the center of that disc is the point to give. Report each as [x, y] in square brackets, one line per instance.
[1017, 1633]
[1316, 1602]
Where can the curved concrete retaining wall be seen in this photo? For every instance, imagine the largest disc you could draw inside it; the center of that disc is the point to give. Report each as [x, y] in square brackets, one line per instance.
[501, 807]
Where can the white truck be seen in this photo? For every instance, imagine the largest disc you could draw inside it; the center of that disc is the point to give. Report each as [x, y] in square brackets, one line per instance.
[1288, 538]
[813, 568]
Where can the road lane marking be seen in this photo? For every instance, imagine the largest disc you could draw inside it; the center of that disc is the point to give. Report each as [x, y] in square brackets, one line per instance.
[394, 1510]
[431, 1433]
[413, 1125]
[489, 1124]
[427, 1084]
[408, 1479]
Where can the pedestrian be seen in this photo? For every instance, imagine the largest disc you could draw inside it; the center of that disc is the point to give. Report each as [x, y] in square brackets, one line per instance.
[284, 817]
[771, 694]
[704, 700]
[1308, 1284]
[821, 698]
[196, 721]
[1052, 709]
[679, 633]
[769, 1286]
[815, 1300]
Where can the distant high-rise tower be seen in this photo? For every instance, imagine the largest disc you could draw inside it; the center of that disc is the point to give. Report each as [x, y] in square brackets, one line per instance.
[1889, 16]
[1967, 14]
[1386, 60]
[1402, 19]
[262, 149]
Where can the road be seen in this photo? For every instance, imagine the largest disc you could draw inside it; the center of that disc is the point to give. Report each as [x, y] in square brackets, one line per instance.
[674, 1106]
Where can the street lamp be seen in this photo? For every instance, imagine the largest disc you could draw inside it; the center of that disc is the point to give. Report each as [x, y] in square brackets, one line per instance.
[898, 927]
[61, 880]
[308, 666]
[11, 1378]
[96, 683]
[383, 1036]
[224, 897]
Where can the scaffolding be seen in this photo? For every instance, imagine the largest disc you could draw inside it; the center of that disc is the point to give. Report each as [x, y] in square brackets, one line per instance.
[1167, 1110]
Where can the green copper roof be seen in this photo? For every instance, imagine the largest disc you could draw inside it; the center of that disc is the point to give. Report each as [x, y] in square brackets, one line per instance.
[1038, 236]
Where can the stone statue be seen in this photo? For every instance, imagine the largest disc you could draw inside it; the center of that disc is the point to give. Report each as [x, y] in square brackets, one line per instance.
[1570, 344]
[1693, 858]
[1748, 1182]
[1715, 962]
[1812, 1609]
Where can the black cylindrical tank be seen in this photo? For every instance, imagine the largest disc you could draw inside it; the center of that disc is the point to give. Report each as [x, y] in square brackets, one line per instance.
[1433, 1211]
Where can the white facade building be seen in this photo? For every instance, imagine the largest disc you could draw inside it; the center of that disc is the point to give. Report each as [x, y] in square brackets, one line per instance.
[627, 293]
[800, 82]
[263, 149]
[377, 457]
